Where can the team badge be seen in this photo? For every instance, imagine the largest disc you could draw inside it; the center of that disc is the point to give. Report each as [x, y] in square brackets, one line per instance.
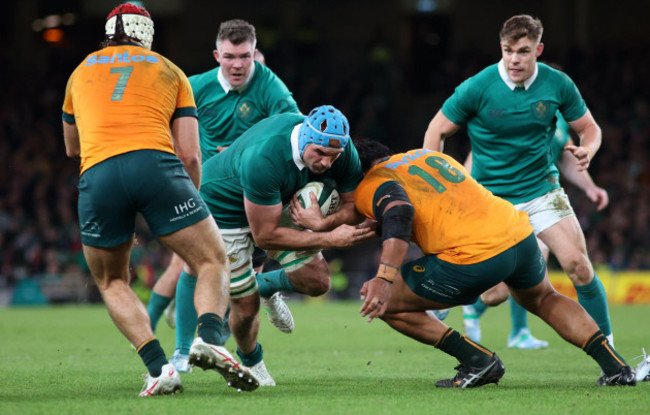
[91, 229]
[245, 110]
[540, 109]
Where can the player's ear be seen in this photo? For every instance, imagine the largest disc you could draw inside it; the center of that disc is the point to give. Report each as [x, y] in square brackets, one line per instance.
[215, 53]
[540, 49]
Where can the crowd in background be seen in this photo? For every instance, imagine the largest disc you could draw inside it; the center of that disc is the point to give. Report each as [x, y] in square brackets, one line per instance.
[39, 233]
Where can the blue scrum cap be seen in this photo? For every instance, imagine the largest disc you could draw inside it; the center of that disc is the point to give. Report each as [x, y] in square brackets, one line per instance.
[325, 126]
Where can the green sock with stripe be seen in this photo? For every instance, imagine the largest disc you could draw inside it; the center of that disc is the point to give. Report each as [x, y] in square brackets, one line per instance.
[271, 282]
[152, 356]
[466, 351]
[210, 325]
[603, 353]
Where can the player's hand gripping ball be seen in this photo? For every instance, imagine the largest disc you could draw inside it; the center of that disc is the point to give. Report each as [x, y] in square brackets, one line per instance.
[327, 195]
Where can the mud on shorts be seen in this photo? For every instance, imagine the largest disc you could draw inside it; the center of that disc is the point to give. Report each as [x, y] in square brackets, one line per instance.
[239, 250]
[547, 210]
[521, 267]
[153, 183]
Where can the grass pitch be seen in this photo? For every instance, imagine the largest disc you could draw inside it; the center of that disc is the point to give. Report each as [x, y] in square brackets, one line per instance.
[72, 360]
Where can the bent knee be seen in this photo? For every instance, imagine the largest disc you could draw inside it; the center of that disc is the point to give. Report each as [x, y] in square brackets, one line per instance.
[580, 271]
[535, 302]
[319, 285]
[245, 308]
[312, 279]
[493, 300]
[495, 295]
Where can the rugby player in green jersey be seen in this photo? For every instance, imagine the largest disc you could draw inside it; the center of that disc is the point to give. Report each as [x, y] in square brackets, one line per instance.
[245, 188]
[509, 109]
[230, 99]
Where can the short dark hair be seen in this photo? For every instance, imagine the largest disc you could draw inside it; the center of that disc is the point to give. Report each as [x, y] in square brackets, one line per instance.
[521, 25]
[237, 31]
[370, 151]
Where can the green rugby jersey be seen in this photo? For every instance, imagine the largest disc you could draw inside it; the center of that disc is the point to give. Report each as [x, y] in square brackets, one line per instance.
[224, 116]
[261, 165]
[511, 129]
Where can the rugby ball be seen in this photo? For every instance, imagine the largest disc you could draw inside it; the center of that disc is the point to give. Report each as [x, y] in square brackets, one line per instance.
[328, 197]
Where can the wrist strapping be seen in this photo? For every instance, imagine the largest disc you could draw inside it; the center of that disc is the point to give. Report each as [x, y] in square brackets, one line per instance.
[387, 272]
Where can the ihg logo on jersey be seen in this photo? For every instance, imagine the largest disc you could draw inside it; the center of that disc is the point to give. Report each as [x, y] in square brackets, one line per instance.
[185, 209]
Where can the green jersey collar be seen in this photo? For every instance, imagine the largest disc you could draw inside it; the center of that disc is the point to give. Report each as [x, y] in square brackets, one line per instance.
[504, 75]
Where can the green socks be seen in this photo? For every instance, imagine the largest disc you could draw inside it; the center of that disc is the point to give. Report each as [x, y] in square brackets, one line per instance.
[185, 312]
[153, 356]
[518, 317]
[479, 309]
[592, 297]
[209, 327]
[467, 352]
[252, 358]
[271, 282]
[603, 353]
[156, 307]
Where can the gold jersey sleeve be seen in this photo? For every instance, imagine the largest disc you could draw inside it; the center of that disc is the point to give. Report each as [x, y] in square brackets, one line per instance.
[455, 218]
[122, 99]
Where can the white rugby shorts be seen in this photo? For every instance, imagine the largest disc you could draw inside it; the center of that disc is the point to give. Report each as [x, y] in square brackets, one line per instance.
[239, 252]
[547, 210]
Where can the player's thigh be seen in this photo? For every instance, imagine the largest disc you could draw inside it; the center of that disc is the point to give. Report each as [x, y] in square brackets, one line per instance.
[543, 248]
[567, 242]
[547, 210]
[531, 298]
[403, 299]
[197, 244]
[455, 284]
[166, 196]
[106, 211]
[528, 266]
